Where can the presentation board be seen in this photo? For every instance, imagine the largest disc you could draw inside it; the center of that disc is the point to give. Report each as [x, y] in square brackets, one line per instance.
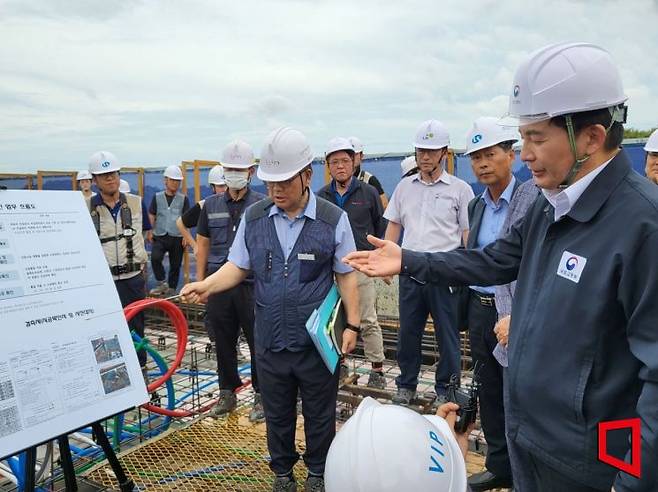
[66, 355]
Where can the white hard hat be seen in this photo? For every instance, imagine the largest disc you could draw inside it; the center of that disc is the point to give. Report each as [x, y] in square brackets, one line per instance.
[565, 78]
[357, 145]
[173, 172]
[407, 164]
[390, 448]
[238, 154]
[285, 153]
[216, 176]
[84, 174]
[103, 162]
[338, 143]
[487, 132]
[431, 134]
[651, 145]
[124, 187]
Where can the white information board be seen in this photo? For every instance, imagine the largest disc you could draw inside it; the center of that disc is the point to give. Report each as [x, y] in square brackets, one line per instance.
[66, 355]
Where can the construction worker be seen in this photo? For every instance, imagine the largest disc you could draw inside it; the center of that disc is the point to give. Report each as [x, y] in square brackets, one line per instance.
[165, 209]
[364, 175]
[231, 309]
[190, 218]
[489, 146]
[364, 209]
[388, 448]
[293, 243]
[408, 166]
[583, 345]
[84, 179]
[651, 149]
[120, 220]
[432, 206]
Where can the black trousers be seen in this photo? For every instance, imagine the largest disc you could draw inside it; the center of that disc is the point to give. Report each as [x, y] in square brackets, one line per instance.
[416, 301]
[283, 375]
[226, 312]
[540, 477]
[132, 290]
[172, 245]
[481, 321]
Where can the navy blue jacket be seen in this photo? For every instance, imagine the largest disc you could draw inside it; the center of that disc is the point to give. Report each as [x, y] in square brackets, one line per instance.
[288, 290]
[579, 352]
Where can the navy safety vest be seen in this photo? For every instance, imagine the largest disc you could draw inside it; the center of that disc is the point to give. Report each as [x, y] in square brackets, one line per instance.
[288, 290]
[222, 226]
[165, 220]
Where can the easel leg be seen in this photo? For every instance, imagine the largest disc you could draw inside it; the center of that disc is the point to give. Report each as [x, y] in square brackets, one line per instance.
[67, 464]
[30, 469]
[125, 484]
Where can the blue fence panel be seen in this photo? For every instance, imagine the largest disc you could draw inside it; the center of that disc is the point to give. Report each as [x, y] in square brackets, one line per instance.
[56, 183]
[16, 183]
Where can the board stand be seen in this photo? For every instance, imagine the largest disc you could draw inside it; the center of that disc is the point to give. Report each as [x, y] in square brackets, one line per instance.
[70, 481]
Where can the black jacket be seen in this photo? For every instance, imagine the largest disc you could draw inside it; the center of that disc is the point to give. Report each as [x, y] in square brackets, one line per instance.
[364, 210]
[579, 352]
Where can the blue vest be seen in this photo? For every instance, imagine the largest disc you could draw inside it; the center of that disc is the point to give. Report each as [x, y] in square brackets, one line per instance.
[222, 227]
[165, 220]
[287, 291]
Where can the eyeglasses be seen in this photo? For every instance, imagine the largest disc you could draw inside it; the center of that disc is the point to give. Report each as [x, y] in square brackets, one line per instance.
[282, 184]
[428, 151]
[345, 161]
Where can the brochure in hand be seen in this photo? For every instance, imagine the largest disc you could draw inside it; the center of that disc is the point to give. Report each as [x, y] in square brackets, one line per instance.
[325, 326]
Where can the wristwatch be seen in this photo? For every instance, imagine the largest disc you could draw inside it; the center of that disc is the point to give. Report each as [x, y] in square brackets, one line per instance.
[349, 326]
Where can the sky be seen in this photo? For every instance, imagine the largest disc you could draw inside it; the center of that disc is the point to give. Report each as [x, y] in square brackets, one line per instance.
[159, 82]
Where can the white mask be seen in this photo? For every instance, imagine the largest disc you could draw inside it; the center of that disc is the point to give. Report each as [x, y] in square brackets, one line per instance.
[236, 180]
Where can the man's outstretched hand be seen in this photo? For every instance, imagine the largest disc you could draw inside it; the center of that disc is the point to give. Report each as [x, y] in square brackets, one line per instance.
[384, 261]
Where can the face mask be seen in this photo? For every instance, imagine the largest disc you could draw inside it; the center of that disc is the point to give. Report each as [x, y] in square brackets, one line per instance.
[236, 180]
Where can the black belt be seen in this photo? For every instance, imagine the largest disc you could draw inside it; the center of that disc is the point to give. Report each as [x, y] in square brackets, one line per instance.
[124, 269]
[488, 300]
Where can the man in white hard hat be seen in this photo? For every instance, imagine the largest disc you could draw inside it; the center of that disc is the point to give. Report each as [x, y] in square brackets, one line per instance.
[229, 310]
[363, 206]
[362, 174]
[432, 206]
[489, 146]
[166, 208]
[190, 218]
[651, 149]
[293, 243]
[84, 179]
[113, 211]
[583, 344]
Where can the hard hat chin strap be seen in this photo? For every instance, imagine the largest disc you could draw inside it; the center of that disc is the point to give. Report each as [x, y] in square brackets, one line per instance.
[578, 161]
[617, 115]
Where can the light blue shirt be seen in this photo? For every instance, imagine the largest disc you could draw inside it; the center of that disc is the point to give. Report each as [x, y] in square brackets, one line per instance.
[288, 230]
[492, 222]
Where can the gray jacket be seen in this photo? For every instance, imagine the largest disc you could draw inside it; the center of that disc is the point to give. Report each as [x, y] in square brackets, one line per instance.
[583, 343]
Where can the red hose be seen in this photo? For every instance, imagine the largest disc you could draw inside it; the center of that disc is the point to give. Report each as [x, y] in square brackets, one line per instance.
[178, 321]
[187, 413]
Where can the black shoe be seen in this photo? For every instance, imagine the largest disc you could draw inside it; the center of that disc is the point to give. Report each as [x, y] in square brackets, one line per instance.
[284, 484]
[403, 396]
[486, 481]
[314, 483]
